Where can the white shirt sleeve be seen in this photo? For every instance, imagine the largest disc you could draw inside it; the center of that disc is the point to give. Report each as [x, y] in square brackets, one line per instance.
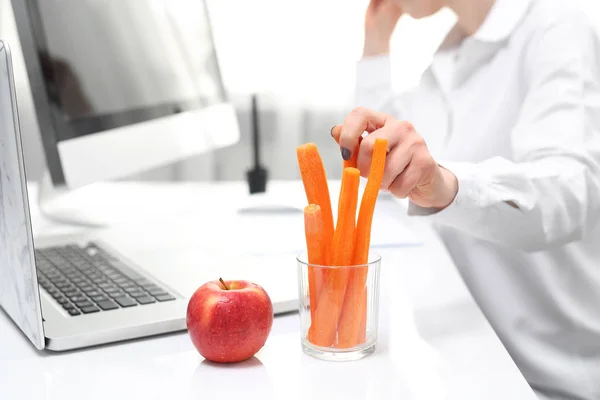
[549, 193]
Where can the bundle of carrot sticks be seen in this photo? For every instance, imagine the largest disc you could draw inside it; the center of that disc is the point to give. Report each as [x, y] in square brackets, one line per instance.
[338, 296]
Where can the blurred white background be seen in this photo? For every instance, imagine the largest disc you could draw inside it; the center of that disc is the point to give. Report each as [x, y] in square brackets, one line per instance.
[299, 56]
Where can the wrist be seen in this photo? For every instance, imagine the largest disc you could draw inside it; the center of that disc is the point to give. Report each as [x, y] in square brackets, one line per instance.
[376, 47]
[448, 188]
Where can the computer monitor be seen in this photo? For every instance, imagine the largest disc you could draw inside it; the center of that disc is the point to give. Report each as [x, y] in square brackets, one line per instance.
[122, 86]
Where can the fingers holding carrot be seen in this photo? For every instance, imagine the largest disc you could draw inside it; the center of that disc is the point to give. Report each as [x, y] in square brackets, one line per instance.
[410, 170]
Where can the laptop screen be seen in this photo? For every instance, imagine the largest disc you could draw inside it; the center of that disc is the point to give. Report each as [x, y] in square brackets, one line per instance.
[19, 291]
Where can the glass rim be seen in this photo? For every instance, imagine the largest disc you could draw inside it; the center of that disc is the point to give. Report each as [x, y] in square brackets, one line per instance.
[304, 261]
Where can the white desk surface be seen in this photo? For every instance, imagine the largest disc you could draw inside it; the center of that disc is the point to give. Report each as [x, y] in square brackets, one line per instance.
[434, 342]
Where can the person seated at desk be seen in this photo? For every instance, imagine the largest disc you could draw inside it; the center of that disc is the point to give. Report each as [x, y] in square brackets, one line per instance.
[499, 147]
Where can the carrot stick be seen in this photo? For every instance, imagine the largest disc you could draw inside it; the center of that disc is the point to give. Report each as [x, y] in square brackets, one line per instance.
[353, 162]
[362, 330]
[316, 188]
[314, 230]
[351, 321]
[331, 299]
[315, 184]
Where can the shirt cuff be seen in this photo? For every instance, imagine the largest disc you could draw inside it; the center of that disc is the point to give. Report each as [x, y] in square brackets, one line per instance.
[373, 71]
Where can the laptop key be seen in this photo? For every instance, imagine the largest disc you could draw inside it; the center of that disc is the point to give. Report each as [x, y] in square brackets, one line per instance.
[145, 300]
[107, 305]
[99, 298]
[156, 292]
[68, 306]
[164, 297]
[78, 298]
[110, 272]
[106, 285]
[83, 304]
[89, 309]
[150, 286]
[73, 312]
[117, 295]
[93, 293]
[138, 294]
[125, 302]
[43, 266]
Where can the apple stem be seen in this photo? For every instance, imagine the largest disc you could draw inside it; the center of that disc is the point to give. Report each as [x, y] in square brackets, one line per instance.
[223, 283]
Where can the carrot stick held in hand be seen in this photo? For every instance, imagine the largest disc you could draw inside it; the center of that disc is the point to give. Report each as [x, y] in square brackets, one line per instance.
[352, 324]
[314, 230]
[331, 298]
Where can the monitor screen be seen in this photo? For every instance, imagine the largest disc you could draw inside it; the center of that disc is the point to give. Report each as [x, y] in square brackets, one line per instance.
[112, 63]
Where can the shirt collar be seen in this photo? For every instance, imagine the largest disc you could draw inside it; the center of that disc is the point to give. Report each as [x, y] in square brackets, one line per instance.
[500, 23]
[502, 20]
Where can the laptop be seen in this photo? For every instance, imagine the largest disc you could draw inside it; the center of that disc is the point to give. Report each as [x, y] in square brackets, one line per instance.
[79, 292]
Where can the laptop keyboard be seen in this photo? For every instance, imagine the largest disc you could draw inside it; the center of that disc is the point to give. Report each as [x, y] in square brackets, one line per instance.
[85, 280]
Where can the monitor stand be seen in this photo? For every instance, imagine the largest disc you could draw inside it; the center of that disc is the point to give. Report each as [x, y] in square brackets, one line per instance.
[60, 204]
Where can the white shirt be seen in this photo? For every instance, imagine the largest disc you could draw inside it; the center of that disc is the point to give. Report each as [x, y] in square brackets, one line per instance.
[515, 115]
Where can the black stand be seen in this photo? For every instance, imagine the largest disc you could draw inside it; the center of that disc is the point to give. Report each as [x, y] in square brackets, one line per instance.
[257, 176]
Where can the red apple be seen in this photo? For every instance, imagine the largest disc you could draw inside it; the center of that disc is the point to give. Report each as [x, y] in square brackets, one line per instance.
[229, 321]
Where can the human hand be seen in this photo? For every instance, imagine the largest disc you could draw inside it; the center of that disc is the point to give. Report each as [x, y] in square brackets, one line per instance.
[380, 21]
[410, 170]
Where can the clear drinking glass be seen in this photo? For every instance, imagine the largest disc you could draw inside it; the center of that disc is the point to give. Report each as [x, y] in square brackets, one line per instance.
[339, 309]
